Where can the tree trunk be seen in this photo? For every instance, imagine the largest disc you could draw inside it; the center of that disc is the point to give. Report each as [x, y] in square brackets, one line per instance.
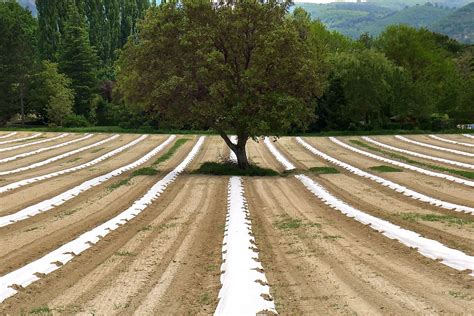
[238, 149]
[241, 154]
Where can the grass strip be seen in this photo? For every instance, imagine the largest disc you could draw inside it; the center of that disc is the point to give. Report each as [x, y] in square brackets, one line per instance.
[384, 168]
[180, 142]
[463, 173]
[147, 171]
[449, 219]
[231, 169]
[323, 170]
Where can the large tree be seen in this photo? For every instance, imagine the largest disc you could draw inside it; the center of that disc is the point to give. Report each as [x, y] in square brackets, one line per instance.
[246, 69]
[17, 57]
[78, 61]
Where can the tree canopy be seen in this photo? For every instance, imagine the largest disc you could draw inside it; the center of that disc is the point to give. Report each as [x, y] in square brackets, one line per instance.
[246, 68]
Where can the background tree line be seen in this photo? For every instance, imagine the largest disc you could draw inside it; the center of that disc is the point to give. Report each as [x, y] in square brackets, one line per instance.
[61, 69]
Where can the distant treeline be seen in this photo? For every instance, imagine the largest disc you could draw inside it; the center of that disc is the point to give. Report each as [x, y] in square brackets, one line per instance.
[59, 69]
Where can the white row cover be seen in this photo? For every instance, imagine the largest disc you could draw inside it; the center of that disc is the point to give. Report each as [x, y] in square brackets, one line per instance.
[387, 183]
[245, 289]
[232, 156]
[28, 274]
[55, 158]
[40, 150]
[467, 135]
[451, 141]
[419, 155]
[20, 139]
[8, 135]
[404, 165]
[278, 156]
[427, 247]
[21, 183]
[62, 198]
[33, 143]
[453, 151]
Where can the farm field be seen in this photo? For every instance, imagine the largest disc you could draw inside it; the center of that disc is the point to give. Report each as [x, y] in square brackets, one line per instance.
[122, 224]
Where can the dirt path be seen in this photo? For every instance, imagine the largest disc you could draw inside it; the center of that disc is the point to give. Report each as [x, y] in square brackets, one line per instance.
[318, 261]
[29, 239]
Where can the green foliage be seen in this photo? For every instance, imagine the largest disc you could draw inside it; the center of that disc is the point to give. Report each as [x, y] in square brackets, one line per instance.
[147, 171]
[77, 59]
[74, 120]
[191, 65]
[323, 170]
[385, 169]
[449, 219]
[180, 142]
[50, 94]
[17, 57]
[231, 169]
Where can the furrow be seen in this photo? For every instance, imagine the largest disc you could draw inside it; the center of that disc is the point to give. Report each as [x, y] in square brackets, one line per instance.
[404, 165]
[453, 151]
[52, 261]
[20, 139]
[450, 141]
[58, 157]
[33, 143]
[40, 150]
[387, 183]
[419, 155]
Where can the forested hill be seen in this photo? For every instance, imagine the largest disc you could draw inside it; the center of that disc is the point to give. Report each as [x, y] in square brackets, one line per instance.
[458, 25]
[354, 19]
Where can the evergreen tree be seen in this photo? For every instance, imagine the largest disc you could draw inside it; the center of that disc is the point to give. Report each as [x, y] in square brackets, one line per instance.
[18, 54]
[78, 61]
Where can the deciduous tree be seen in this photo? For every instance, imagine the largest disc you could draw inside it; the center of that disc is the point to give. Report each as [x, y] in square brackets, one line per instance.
[244, 69]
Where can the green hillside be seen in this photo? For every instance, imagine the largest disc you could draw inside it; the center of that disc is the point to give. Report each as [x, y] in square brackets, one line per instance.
[458, 25]
[417, 16]
[400, 4]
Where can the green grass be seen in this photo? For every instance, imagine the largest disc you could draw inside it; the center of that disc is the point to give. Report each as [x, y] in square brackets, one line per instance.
[383, 168]
[118, 184]
[288, 223]
[42, 310]
[448, 219]
[323, 170]
[231, 169]
[147, 171]
[466, 174]
[180, 142]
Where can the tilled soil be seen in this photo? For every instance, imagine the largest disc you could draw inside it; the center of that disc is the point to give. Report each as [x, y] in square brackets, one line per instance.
[167, 259]
[327, 263]
[392, 141]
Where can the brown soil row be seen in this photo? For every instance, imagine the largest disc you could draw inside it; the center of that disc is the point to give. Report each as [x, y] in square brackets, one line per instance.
[392, 141]
[28, 195]
[331, 264]
[379, 201]
[31, 238]
[439, 143]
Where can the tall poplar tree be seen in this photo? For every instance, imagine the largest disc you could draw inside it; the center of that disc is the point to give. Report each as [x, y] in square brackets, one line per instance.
[78, 60]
